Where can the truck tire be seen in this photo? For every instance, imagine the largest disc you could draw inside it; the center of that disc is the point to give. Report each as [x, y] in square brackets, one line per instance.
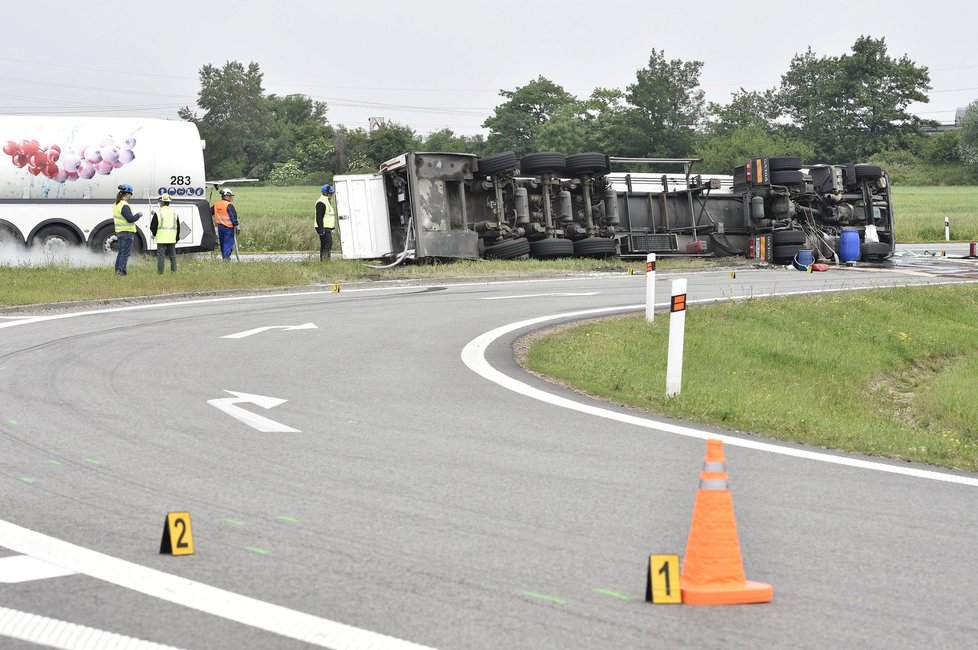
[498, 162]
[869, 172]
[55, 238]
[548, 249]
[787, 177]
[599, 247]
[784, 163]
[782, 237]
[786, 253]
[507, 250]
[580, 164]
[543, 163]
[874, 251]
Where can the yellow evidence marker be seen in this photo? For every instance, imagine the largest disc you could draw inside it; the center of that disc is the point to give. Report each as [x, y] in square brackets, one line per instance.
[178, 539]
[662, 584]
[336, 288]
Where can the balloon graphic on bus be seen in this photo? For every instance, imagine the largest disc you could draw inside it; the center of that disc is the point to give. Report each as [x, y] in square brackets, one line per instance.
[100, 157]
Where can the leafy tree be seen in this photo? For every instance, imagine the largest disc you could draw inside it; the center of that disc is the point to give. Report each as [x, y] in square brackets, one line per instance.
[287, 173]
[943, 148]
[746, 109]
[302, 132]
[237, 124]
[668, 105]
[852, 106]
[610, 125]
[968, 148]
[721, 152]
[564, 132]
[447, 140]
[390, 141]
[351, 153]
[515, 123]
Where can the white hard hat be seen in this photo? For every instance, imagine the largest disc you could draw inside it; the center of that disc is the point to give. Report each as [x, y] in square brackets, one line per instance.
[227, 193]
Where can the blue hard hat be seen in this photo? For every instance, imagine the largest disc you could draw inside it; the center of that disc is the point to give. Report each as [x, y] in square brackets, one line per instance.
[125, 187]
[328, 189]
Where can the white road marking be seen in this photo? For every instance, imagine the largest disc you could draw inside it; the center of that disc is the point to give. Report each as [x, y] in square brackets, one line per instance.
[263, 424]
[196, 595]
[53, 633]
[24, 568]
[259, 330]
[473, 355]
[540, 295]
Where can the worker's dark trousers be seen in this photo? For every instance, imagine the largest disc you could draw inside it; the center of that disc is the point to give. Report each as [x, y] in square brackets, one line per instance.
[325, 242]
[164, 251]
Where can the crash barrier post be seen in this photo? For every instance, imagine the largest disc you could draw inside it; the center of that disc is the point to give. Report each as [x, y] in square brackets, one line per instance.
[713, 569]
[677, 332]
[650, 287]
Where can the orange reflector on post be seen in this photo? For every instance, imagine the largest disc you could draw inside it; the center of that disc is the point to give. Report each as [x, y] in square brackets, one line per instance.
[679, 302]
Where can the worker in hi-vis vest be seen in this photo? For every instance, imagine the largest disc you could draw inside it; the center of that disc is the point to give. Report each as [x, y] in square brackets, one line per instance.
[125, 226]
[325, 221]
[165, 227]
[226, 220]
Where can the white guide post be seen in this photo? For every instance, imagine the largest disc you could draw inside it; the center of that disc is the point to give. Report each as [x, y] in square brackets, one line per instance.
[677, 333]
[650, 287]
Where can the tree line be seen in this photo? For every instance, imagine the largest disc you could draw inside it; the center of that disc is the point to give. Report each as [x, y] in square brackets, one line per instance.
[830, 109]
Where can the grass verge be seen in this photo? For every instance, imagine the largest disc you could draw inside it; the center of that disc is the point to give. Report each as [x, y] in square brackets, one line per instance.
[890, 373]
[45, 283]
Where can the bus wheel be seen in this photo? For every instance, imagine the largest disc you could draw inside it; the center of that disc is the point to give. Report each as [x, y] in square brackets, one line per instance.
[55, 239]
[9, 237]
[104, 240]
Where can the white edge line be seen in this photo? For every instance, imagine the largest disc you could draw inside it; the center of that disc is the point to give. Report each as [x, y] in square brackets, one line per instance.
[196, 595]
[473, 356]
[50, 632]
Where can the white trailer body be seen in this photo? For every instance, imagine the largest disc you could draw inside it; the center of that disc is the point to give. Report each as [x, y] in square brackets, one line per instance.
[362, 215]
[59, 177]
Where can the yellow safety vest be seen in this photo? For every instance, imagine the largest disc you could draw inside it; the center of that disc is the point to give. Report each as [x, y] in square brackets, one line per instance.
[166, 225]
[329, 217]
[121, 225]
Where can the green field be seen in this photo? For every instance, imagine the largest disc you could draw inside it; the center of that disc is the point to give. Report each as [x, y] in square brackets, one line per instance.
[919, 213]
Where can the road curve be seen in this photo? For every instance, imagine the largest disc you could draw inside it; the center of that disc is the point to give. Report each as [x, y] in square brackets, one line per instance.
[410, 502]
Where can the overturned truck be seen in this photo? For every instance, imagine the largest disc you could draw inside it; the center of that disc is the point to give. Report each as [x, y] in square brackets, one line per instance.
[548, 205]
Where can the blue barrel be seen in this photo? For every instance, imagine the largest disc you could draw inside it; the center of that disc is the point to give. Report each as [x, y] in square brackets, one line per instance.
[804, 259]
[849, 245]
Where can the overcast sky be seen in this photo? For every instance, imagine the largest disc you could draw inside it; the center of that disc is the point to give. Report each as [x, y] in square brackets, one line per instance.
[432, 64]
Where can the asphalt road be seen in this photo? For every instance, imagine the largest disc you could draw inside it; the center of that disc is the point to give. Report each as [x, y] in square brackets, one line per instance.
[415, 487]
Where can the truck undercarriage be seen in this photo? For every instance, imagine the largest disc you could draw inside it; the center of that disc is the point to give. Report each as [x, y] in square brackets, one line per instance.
[549, 205]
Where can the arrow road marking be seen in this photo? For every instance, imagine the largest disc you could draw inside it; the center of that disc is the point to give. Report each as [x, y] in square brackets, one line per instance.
[263, 424]
[541, 295]
[259, 330]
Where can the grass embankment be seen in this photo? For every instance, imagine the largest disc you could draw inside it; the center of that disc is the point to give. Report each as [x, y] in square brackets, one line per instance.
[43, 283]
[891, 373]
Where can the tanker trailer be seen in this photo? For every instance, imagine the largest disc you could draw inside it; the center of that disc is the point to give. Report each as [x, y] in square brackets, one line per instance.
[59, 177]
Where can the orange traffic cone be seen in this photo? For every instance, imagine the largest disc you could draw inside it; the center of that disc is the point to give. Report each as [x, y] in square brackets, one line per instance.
[713, 571]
